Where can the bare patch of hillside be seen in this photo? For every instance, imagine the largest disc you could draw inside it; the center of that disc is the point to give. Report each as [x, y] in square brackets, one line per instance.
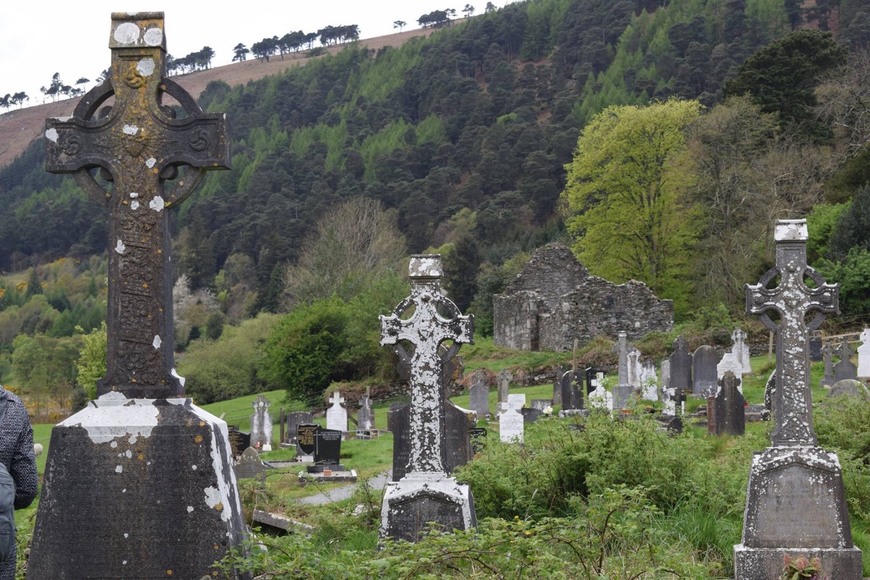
[19, 127]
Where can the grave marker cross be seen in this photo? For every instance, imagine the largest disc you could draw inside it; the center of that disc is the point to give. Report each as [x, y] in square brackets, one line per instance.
[423, 321]
[792, 299]
[138, 147]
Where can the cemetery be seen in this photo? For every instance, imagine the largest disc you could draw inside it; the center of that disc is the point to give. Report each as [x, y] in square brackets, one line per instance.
[591, 436]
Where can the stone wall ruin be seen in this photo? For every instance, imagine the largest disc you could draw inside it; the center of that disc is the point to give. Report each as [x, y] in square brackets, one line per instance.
[554, 300]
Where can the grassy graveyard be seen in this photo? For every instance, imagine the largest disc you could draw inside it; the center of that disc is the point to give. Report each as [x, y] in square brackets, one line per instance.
[581, 498]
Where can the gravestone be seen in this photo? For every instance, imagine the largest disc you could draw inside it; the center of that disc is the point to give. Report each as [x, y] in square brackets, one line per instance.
[557, 387]
[530, 414]
[601, 399]
[510, 422]
[680, 366]
[635, 368]
[740, 350]
[669, 406]
[730, 364]
[239, 440]
[572, 394]
[666, 374]
[542, 405]
[649, 382]
[306, 439]
[336, 415]
[729, 408]
[864, 355]
[845, 369]
[249, 465]
[365, 420]
[622, 397]
[828, 357]
[815, 345]
[139, 484]
[503, 380]
[292, 422]
[849, 388]
[704, 379]
[261, 424]
[477, 437]
[795, 501]
[426, 495]
[622, 348]
[327, 451]
[457, 434]
[478, 395]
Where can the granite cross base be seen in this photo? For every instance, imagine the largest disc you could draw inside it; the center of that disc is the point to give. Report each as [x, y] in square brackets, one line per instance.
[420, 499]
[136, 488]
[796, 506]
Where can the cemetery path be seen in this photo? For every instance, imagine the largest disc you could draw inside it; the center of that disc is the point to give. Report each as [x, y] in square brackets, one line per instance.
[377, 482]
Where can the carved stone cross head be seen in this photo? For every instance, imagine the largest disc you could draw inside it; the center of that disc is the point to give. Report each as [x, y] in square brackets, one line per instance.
[129, 146]
[792, 299]
[416, 329]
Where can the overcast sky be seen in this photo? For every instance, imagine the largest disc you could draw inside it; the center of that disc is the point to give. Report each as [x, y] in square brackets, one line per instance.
[40, 38]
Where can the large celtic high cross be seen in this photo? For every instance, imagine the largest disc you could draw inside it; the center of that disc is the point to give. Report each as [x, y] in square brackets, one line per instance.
[419, 325]
[793, 300]
[141, 156]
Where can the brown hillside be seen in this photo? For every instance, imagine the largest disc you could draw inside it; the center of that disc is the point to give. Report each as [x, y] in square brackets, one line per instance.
[21, 126]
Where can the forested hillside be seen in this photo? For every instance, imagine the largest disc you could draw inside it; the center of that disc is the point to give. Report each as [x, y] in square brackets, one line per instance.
[468, 140]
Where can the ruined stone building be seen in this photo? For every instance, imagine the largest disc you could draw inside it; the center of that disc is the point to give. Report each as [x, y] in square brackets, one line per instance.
[554, 299]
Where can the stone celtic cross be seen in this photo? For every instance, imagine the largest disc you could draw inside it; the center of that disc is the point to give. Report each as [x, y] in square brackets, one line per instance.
[419, 325]
[141, 155]
[793, 300]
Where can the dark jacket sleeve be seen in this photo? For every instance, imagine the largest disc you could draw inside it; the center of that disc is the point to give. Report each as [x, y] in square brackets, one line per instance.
[23, 469]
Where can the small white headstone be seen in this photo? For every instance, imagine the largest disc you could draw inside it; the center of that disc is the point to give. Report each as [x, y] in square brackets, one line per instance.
[336, 415]
[731, 362]
[649, 381]
[510, 426]
[601, 398]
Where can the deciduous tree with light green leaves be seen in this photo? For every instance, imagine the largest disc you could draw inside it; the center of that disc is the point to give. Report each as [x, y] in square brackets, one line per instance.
[625, 196]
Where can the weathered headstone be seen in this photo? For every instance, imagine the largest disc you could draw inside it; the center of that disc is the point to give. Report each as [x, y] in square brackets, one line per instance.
[649, 382]
[864, 355]
[681, 366]
[557, 387]
[601, 398]
[510, 422]
[261, 424]
[795, 500]
[815, 345]
[249, 464]
[456, 430]
[828, 357]
[730, 364]
[849, 388]
[426, 495]
[572, 394]
[845, 369]
[704, 379]
[622, 348]
[666, 374]
[139, 484]
[336, 415]
[740, 350]
[292, 422]
[622, 396]
[729, 408]
[503, 380]
[635, 368]
[479, 395]
[541, 405]
[365, 420]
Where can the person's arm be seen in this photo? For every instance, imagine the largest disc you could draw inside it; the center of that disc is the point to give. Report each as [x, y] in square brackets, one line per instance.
[23, 469]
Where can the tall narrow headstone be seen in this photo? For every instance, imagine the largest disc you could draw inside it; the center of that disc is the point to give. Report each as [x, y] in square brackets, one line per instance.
[704, 362]
[336, 415]
[795, 501]
[729, 407]
[681, 366]
[138, 484]
[828, 357]
[635, 368]
[479, 395]
[864, 355]
[426, 495]
[503, 380]
[365, 420]
[572, 395]
[649, 381]
[261, 424]
[557, 387]
[740, 350]
[622, 348]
